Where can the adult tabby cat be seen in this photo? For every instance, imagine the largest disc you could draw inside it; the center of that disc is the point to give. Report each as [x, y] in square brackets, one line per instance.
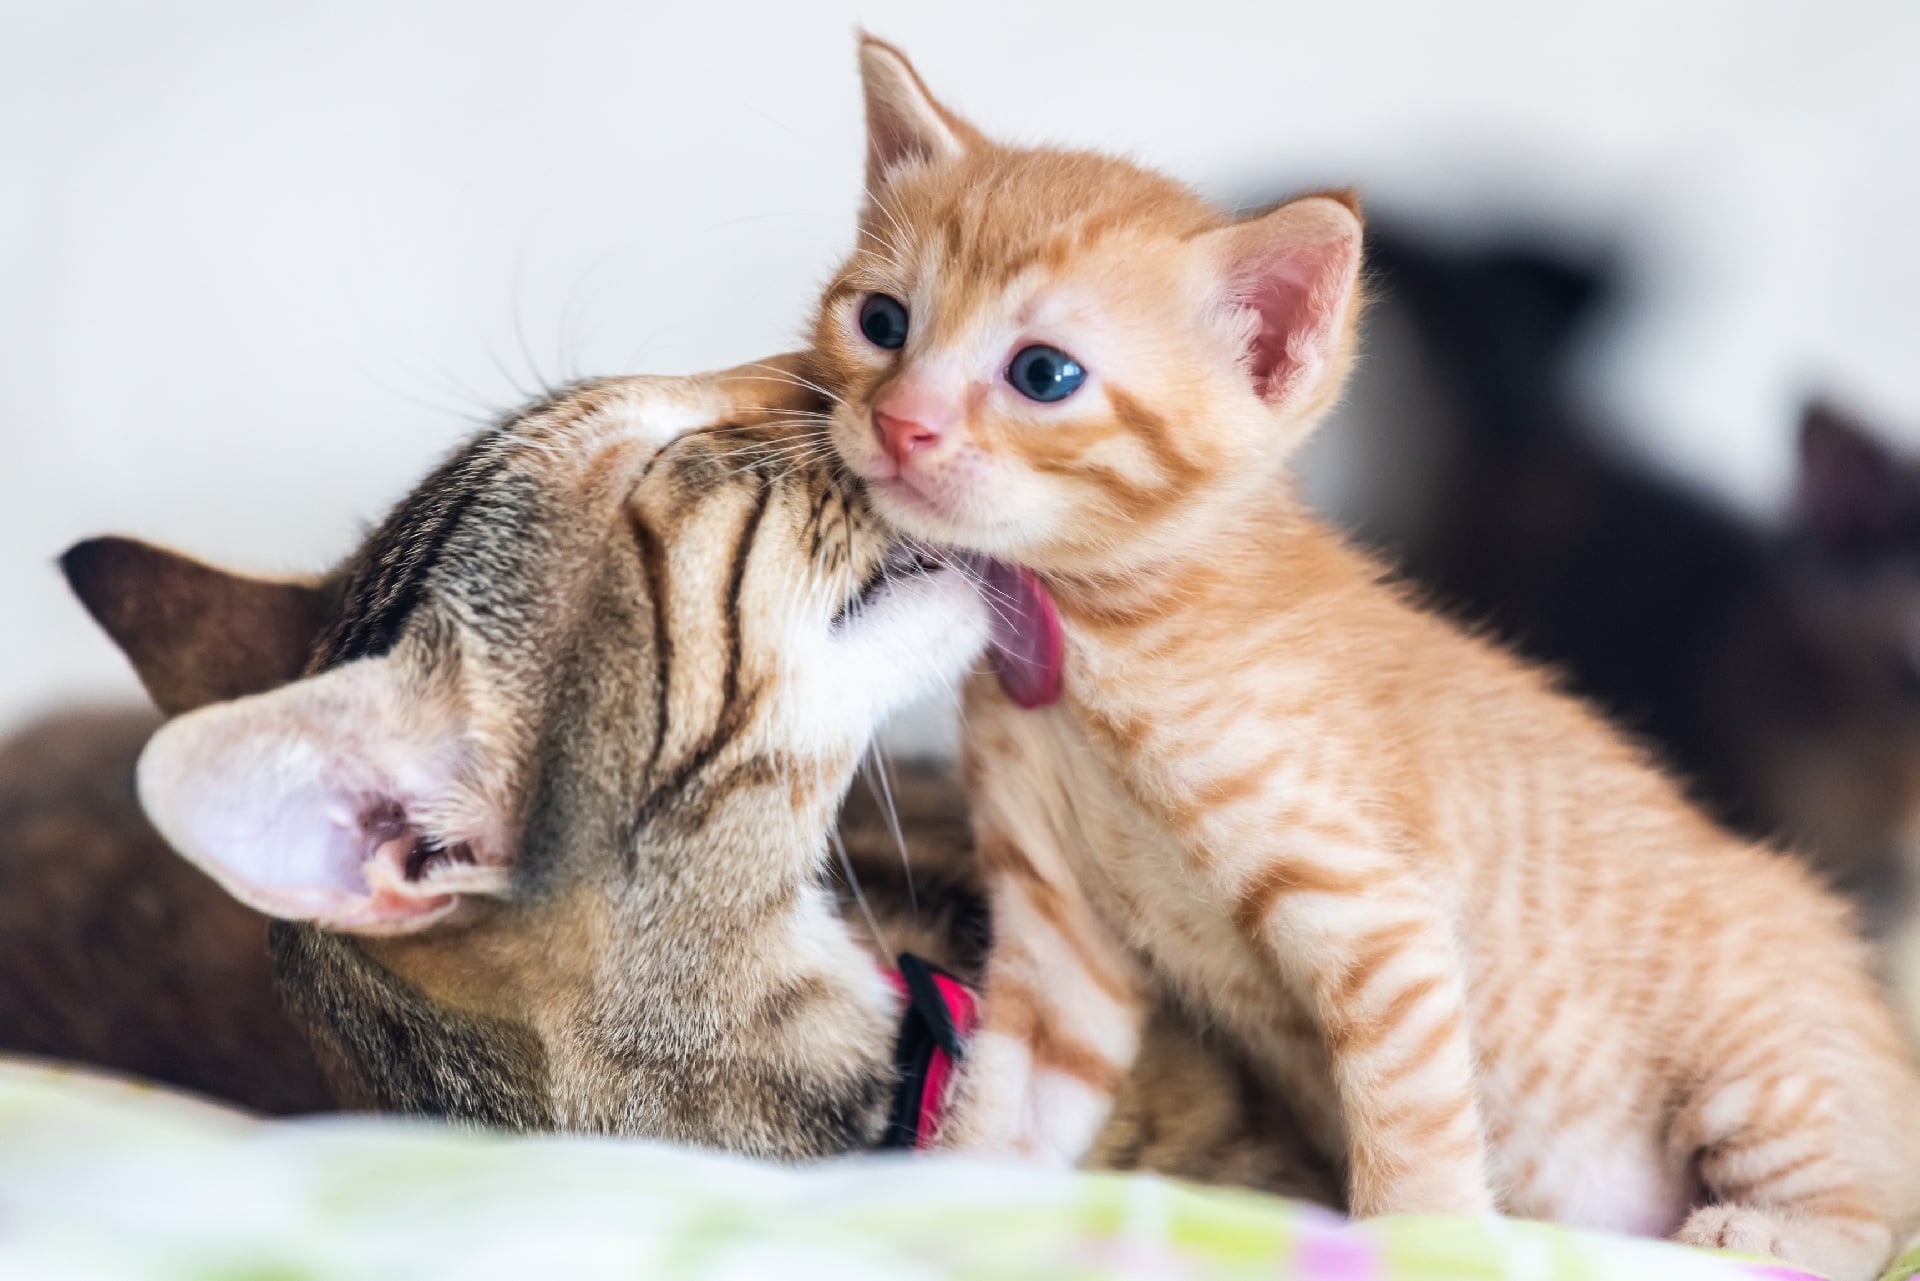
[543, 781]
[1436, 899]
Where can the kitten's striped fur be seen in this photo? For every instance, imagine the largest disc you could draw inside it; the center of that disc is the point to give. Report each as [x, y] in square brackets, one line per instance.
[1446, 908]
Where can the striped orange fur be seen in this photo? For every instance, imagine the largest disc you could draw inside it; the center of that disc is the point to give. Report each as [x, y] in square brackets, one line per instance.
[1463, 922]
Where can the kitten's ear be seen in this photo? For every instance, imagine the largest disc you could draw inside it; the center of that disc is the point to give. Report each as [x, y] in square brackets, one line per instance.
[1292, 275]
[1852, 488]
[347, 799]
[905, 124]
[195, 634]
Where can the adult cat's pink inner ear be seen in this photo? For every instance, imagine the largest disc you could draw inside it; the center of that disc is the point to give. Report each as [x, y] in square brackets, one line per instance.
[304, 803]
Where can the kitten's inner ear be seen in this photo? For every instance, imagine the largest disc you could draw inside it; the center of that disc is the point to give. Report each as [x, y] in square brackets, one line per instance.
[195, 634]
[1292, 274]
[906, 125]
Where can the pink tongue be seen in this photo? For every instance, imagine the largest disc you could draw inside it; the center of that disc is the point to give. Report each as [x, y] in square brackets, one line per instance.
[1027, 648]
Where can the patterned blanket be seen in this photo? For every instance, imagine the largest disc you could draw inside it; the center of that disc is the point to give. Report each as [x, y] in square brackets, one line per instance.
[105, 1179]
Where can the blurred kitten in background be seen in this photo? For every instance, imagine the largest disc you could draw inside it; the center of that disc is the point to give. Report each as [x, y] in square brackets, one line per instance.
[1777, 668]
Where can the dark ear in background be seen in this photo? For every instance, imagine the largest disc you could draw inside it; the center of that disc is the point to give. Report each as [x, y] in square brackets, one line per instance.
[1502, 320]
[195, 634]
[1538, 292]
[1853, 491]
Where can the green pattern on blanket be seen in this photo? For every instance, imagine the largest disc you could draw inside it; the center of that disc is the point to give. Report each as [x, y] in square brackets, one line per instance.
[101, 1178]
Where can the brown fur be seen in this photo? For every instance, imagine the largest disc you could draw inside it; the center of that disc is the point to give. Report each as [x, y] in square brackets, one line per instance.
[191, 650]
[1533, 978]
[116, 952]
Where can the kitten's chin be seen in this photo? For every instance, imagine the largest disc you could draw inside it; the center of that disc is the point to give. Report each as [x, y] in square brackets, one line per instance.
[932, 519]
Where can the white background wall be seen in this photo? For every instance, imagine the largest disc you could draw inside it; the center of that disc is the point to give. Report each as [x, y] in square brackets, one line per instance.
[259, 263]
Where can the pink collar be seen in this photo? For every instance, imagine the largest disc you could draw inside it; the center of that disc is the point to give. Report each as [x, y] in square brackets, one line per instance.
[939, 1016]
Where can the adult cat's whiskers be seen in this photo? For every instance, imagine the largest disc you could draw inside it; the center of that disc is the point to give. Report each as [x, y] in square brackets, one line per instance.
[789, 444]
[776, 374]
[789, 459]
[513, 380]
[993, 597]
[807, 436]
[859, 895]
[872, 766]
[794, 413]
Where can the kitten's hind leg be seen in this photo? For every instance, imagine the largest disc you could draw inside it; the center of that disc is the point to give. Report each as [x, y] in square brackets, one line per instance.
[1779, 1179]
[1060, 1017]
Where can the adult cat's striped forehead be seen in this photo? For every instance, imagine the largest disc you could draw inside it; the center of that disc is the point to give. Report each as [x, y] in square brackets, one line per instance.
[513, 506]
[479, 521]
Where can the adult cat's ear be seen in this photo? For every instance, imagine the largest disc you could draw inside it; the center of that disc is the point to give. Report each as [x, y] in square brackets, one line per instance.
[352, 799]
[906, 125]
[194, 633]
[1292, 275]
[1852, 489]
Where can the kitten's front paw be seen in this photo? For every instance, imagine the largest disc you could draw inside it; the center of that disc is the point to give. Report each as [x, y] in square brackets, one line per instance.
[1732, 1227]
[1003, 1105]
[1843, 1251]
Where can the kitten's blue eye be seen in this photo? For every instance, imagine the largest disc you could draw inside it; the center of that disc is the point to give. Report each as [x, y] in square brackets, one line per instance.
[884, 321]
[1045, 373]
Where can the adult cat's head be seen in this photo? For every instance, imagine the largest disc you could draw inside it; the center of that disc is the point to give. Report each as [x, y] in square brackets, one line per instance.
[1059, 358]
[541, 778]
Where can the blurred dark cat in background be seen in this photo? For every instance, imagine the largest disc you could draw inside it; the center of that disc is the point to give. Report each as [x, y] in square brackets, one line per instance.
[1777, 668]
[116, 951]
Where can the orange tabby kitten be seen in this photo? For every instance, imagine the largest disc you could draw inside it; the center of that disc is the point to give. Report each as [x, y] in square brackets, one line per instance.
[1434, 897]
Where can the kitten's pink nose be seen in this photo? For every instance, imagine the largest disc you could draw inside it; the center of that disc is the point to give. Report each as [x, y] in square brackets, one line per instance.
[900, 437]
[912, 414]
